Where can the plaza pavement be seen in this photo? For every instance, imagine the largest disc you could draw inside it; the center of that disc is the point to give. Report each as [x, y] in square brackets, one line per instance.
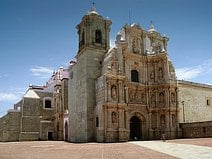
[183, 151]
[171, 149]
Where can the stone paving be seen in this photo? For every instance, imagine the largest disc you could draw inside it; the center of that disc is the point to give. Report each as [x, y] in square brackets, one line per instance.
[172, 149]
[62, 150]
[177, 149]
[195, 141]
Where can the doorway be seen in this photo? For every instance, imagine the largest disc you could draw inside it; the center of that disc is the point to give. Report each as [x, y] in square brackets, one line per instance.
[50, 135]
[135, 128]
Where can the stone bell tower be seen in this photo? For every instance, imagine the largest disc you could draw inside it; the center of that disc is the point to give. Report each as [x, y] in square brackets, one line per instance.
[94, 42]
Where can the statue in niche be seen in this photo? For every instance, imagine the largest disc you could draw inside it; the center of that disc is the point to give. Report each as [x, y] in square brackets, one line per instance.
[172, 98]
[114, 66]
[114, 117]
[113, 93]
[160, 75]
[153, 99]
[152, 75]
[136, 45]
[161, 98]
[162, 121]
[157, 48]
[173, 120]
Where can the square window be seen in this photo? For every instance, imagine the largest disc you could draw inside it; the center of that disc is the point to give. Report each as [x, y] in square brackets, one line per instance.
[48, 104]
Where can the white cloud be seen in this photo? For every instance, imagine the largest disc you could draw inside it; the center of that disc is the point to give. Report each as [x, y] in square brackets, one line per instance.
[42, 72]
[112, 42]
[4, 75]
[9, 97]
[188, 73]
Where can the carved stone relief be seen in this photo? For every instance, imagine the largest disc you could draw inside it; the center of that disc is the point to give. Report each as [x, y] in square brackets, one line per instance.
[136, 45]
[137, 97]
[162, 122]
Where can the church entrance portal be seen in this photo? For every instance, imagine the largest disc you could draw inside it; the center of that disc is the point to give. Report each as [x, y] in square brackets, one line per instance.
[135, 128]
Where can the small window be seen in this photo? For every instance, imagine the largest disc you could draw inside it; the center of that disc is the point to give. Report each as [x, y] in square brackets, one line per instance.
[97, 121]
[208, 102]
[134, 76]
[48, 103]
[98, 36]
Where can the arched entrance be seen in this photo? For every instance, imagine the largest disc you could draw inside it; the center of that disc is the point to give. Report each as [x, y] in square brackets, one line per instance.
[66, 131]
[135, 128]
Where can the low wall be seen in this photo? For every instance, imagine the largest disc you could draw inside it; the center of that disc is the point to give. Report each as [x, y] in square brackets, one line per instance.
[196, 129]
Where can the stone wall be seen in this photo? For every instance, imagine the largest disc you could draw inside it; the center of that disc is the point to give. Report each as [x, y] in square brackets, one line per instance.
[192, 98]
[9, 126]
[46, 126]
[32, 115]
[196, 129]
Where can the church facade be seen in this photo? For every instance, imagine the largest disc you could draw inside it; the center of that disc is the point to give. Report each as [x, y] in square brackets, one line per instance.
[128, 92]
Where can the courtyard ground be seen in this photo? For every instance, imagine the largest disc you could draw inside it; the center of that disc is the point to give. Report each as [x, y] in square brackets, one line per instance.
[190, 148]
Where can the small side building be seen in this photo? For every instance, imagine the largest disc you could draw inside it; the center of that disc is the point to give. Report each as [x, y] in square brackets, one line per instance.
[195, 104]
[40, 114]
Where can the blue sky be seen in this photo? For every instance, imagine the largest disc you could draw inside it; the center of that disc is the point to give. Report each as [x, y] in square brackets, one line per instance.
[39, 36]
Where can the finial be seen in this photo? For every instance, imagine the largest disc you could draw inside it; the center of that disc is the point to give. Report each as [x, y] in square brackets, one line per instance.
[93, 9]
[152, 28]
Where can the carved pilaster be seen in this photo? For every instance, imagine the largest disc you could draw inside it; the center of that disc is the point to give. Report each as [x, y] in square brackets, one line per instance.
[109, 91]
[127, 94]
[120, 88]
[109, 118]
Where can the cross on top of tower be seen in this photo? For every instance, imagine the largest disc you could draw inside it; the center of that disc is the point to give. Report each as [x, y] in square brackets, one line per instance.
[93, 9]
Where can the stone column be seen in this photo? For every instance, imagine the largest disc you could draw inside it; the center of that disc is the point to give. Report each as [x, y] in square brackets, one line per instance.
[106, 91]
[167, 98]
[109, 92]
[121, 118]
[150, 120]
[127, 120]
[157, 97]
[158, 120]
[156, 71]
[127, 95]
[120, 92]
[109, 118]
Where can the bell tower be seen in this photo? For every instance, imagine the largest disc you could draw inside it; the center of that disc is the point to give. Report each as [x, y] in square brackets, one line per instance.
[94, 42]
[93, 31]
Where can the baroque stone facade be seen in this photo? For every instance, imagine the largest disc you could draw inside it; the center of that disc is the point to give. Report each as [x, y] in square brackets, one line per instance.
[127, 92]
